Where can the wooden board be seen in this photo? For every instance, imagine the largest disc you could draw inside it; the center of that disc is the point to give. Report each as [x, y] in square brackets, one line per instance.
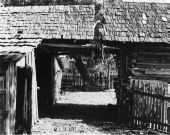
[151, 103]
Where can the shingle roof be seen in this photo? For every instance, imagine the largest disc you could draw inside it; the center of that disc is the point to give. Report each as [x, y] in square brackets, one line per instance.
[15, 49]
[47, 22]
[136, 22]
[20, 42]
[23, 28]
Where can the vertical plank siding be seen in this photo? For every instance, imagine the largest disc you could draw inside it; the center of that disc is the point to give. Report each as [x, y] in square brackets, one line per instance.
[123, 93]
[11, 85]
[32, 97]
[30, 105]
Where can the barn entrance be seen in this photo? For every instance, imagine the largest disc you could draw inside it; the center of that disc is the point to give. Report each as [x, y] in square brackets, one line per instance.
[85, 92]
[76, 64]
[71, 112]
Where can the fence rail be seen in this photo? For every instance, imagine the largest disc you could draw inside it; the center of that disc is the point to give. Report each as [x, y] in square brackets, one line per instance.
[150, 104]
[72, 80]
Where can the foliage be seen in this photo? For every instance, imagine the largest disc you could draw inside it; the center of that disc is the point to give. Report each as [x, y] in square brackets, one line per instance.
[103, 65]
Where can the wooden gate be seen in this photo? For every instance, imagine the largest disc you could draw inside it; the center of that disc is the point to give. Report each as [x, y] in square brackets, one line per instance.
[150, 104]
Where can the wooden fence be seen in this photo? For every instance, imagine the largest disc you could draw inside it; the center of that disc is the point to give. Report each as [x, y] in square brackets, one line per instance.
[150, 104]
[72, 81]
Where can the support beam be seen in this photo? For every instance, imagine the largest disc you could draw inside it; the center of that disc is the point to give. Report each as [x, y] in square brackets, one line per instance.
[63, 45]
[56, 78]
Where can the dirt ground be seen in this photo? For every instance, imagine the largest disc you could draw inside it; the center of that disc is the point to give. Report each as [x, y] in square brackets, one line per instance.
[82, 127]
[85, 113]
[89, 98]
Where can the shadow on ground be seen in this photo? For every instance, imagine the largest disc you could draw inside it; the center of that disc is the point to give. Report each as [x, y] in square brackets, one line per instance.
[87, 112]
[88, 119]
[104, 118]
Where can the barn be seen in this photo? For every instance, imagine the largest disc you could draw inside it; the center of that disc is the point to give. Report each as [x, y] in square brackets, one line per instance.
[32, 38]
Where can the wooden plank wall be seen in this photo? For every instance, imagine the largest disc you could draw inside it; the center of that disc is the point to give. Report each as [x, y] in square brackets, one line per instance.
[11, 84]
[33, 104]
[124, 95]
[34, 90]
[152, 64]
[30, 108]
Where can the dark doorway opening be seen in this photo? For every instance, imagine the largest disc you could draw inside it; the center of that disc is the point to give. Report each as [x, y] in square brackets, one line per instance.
[44, 80]
[23, 102]
[20, 100]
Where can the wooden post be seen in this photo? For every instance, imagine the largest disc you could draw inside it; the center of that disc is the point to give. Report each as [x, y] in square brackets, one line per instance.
[120, 75]
[113, 82]
[168, 119]
[108, 76]
[55, 93]
[34, 90]
[168, 111]
[57, 78]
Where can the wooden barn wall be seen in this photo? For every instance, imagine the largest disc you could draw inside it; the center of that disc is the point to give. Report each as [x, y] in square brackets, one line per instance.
[151, 63]
[124, 71]
[150, 103]
[151, 68]
[11, 84]
[30, 106]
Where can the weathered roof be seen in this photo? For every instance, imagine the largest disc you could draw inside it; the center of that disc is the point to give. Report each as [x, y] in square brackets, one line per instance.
[47, 22]
[15, 49]
[20, 42]
[136, 22]
[23, 28]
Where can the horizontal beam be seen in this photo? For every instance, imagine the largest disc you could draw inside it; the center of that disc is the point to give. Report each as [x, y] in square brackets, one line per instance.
[62, 45]
[153, 64]
[154, 53]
